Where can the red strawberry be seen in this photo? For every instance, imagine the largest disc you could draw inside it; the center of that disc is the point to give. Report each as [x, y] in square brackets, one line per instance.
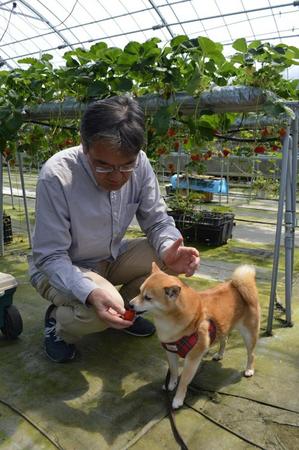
[129, 315]
[260, 149]
[275, 148]
[176, 145]
[171, 168]
[171, 132]
[161, 150]
[225, 152]
[282, 132]
[265, 132]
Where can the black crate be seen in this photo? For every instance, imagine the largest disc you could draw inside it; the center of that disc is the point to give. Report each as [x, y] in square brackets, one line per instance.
[185, 224]
[7, 229]
[207, 227]
[214, 235]
[214, 218]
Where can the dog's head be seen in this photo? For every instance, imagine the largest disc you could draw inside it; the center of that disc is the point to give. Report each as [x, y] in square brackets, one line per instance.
[159, 292]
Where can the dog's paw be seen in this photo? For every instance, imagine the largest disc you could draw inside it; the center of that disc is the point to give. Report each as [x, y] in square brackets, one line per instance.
[249, 373]
[217, 357]
[171, 385]
[177, 403]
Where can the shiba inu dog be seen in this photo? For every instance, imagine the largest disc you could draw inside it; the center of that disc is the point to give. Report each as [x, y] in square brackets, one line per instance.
[189, 321]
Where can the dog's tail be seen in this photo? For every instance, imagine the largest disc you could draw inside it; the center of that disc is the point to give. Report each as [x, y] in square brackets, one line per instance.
[243, 279]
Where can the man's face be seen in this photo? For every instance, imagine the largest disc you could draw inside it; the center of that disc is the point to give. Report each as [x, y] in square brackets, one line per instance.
[101, 156]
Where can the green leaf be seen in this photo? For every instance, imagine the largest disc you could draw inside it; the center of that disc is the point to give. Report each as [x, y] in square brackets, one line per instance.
[10, 125]
[127, 59]
[280, 49]
[194, 82]
[133, 48]
[121, 84]
[97, 88]
[209, 47]
[46, 57]
[254, 44]
[112, 54]
[177, 41]
[98, 49]
[161, 120]
[30, 61]
[240, 45]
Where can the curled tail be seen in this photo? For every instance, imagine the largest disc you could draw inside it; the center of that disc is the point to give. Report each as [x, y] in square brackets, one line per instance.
[243, 279]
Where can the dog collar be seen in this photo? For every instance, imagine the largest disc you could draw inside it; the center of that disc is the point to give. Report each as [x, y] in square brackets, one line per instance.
[183, 345]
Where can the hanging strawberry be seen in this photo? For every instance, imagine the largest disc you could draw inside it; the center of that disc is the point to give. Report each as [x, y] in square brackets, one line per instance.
[176, 145]
[282, 132]
[161, 151]
[260, 149]
[171, 132]
[275, 148]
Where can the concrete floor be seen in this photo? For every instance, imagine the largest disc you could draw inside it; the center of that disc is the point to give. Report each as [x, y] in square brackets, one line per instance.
[110, 397]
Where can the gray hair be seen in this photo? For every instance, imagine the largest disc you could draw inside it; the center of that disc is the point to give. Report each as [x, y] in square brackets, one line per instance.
[118, 120]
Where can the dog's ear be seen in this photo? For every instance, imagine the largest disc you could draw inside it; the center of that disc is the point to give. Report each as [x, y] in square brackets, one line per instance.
[172, 292]
[155, 268]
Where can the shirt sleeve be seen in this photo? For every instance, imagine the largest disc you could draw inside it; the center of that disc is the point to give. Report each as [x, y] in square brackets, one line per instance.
[52, 240]
[152, 215]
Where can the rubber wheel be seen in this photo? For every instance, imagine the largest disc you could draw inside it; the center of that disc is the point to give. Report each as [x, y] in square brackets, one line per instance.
[13, 323]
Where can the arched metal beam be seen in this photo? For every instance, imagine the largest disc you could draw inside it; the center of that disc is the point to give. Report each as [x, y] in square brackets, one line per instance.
[165, 24]
[27, 5]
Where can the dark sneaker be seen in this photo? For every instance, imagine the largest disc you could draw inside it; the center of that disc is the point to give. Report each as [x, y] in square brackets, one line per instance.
[141, 327]
[56, 348]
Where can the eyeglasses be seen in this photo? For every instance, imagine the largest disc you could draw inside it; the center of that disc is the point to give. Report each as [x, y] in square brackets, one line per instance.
[126, 168]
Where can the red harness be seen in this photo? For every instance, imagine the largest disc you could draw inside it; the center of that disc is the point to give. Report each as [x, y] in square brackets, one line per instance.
[183, 345]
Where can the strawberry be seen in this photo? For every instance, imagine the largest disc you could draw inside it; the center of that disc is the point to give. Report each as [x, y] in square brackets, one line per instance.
[265, 132]
[129, 315]
[282, 132]
[161, 151]
[260, 149]
[171, 132]
[275, 148]
[171, 168]
[176, 145]
[225, 152]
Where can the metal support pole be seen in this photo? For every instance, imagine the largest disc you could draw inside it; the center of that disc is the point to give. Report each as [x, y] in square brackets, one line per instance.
[227, 177]
[1, 207]
[295, 134]
[20, 161]
[282, 192]
[10, 185]
[289, 238]
[222, 178]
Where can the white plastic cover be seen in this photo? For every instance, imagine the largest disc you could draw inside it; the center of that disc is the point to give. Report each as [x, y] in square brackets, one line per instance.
[7, 282]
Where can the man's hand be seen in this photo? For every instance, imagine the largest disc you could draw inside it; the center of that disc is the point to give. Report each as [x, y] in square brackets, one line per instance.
[108, 309]
[181, 259]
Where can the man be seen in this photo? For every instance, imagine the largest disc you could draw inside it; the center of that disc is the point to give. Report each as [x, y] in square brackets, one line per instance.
[86, 199]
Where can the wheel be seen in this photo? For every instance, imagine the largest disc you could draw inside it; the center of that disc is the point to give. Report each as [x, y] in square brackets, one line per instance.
[13, 323]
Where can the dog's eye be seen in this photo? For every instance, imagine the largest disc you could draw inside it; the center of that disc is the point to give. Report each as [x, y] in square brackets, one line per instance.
[146, 298]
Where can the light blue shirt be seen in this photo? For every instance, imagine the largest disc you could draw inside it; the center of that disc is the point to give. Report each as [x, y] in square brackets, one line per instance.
[79, 224]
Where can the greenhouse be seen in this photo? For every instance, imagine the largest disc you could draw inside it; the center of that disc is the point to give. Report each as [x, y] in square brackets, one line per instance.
[149, 179]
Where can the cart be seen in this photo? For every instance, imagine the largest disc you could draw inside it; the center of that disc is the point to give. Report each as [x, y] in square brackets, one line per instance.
[11, 323]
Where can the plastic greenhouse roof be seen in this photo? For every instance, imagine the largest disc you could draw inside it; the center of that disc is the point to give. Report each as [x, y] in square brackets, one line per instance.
[29, 28]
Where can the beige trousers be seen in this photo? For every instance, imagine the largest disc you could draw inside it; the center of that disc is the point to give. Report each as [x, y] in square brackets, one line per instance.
[74, 319]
